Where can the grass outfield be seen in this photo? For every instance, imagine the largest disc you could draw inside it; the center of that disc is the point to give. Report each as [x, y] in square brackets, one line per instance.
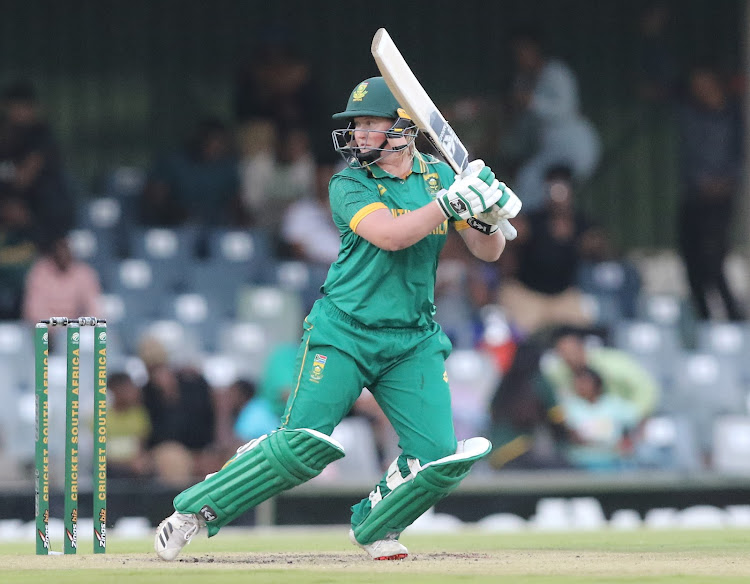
[326, 556]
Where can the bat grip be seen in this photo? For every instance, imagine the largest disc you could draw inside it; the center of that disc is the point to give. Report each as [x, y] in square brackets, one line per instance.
[508, 230]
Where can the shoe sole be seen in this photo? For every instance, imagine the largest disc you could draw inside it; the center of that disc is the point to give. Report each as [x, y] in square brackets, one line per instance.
[393, 557]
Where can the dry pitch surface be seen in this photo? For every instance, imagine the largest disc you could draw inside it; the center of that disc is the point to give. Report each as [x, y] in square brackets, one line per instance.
[646, 556]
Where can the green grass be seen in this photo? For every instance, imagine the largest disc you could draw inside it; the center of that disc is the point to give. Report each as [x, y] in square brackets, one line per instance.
[325, 556]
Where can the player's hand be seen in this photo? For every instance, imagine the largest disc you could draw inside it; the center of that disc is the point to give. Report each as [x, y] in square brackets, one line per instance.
[506, 207]
[474, 191]
[488, 222]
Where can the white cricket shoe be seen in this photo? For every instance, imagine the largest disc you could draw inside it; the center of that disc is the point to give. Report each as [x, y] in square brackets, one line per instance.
[383, 549]
[175, 532]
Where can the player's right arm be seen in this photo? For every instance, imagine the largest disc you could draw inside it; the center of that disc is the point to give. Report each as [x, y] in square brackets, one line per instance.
[469, 194]
[391, 233]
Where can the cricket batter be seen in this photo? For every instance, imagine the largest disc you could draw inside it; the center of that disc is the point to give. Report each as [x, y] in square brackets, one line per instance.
[373, 328]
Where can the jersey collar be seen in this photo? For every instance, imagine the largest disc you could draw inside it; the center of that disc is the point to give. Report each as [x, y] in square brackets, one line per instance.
[418, 165]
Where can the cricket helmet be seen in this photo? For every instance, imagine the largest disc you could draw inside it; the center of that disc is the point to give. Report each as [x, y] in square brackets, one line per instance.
[372, 97]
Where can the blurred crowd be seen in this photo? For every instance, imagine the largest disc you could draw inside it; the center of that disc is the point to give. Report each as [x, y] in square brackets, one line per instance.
[562, 396]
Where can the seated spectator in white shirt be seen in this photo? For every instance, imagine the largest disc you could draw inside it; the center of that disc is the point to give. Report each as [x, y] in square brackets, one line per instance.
[307, 227]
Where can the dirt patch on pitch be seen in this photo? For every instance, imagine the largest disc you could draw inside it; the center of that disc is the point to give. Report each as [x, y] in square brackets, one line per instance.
[509, 562]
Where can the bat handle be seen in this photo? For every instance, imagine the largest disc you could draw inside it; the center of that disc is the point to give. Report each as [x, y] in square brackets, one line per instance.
[508, 230]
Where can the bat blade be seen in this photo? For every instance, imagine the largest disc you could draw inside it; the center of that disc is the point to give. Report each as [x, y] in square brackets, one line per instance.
[421, 109]
[415, 100]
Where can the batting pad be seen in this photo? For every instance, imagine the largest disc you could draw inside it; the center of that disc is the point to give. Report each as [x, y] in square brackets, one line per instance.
[261, 468]
[419, 491]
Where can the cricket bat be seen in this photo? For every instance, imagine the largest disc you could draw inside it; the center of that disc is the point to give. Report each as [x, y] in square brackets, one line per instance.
[423, 112]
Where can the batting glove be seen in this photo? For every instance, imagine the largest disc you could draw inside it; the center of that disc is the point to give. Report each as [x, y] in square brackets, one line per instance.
[472, 192]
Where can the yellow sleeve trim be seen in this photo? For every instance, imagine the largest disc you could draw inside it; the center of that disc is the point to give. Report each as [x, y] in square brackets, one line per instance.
[460, 225]
[364, 212]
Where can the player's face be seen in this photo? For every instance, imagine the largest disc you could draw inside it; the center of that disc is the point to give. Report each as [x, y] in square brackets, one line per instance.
[369, 132]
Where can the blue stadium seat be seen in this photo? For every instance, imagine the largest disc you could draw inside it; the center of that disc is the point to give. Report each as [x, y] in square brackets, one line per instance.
[303, 278]
[731, 445]
[248, 344]
[728, 341]
[171, 252]
[616, 285]
[219, 282]
[196, 314]
[16, 355]
[183, 344]
[704, 389]
[277, 310]
[656, 347]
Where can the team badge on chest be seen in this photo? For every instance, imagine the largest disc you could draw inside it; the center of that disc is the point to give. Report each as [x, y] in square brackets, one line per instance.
[432, 180]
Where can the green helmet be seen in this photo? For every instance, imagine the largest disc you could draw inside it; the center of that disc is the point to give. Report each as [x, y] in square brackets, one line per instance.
[371, 98]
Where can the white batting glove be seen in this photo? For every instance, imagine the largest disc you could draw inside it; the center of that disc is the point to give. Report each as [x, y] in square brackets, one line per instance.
[474, 191]
[488, 222]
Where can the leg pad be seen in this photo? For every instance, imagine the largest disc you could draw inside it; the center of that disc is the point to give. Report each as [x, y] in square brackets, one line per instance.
[261, 469]
[416, 493]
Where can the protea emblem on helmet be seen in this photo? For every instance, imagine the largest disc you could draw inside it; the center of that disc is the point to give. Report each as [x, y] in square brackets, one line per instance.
[360, 92]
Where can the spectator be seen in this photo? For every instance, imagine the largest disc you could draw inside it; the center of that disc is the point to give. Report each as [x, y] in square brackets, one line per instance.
[658, 70]
[307, 228]
[181, 415]
[600, 424]
[18, 251]
[711, 136]
[283, 174]
[277, 380]
[527, 427]
[128, 428]
[197, 184]
[254, 416]
[275, 90]
[550, 127]
[60, 285]
[31, 168]
[541, 267]
[622, 375]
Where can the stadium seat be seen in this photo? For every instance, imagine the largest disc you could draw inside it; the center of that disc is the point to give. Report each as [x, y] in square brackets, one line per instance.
[96, 248]
[99, 214]
[219, 282]
[361, 463]
[247, 343]
[615, 285]
[16, 355]
[277, 310]
[171, 252]
[194, 312]
[248, 251]
[668, 442]
[731, 445]
[183, 344]
[728, 341]
[704, 389]
[656, 347]
[473, 379]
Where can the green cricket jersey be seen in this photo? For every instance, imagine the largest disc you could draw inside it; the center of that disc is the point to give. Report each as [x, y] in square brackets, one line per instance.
[382, 288]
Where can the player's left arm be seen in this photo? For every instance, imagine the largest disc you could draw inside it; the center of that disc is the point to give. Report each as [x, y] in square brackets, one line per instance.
[485, 247]
[485, 240]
